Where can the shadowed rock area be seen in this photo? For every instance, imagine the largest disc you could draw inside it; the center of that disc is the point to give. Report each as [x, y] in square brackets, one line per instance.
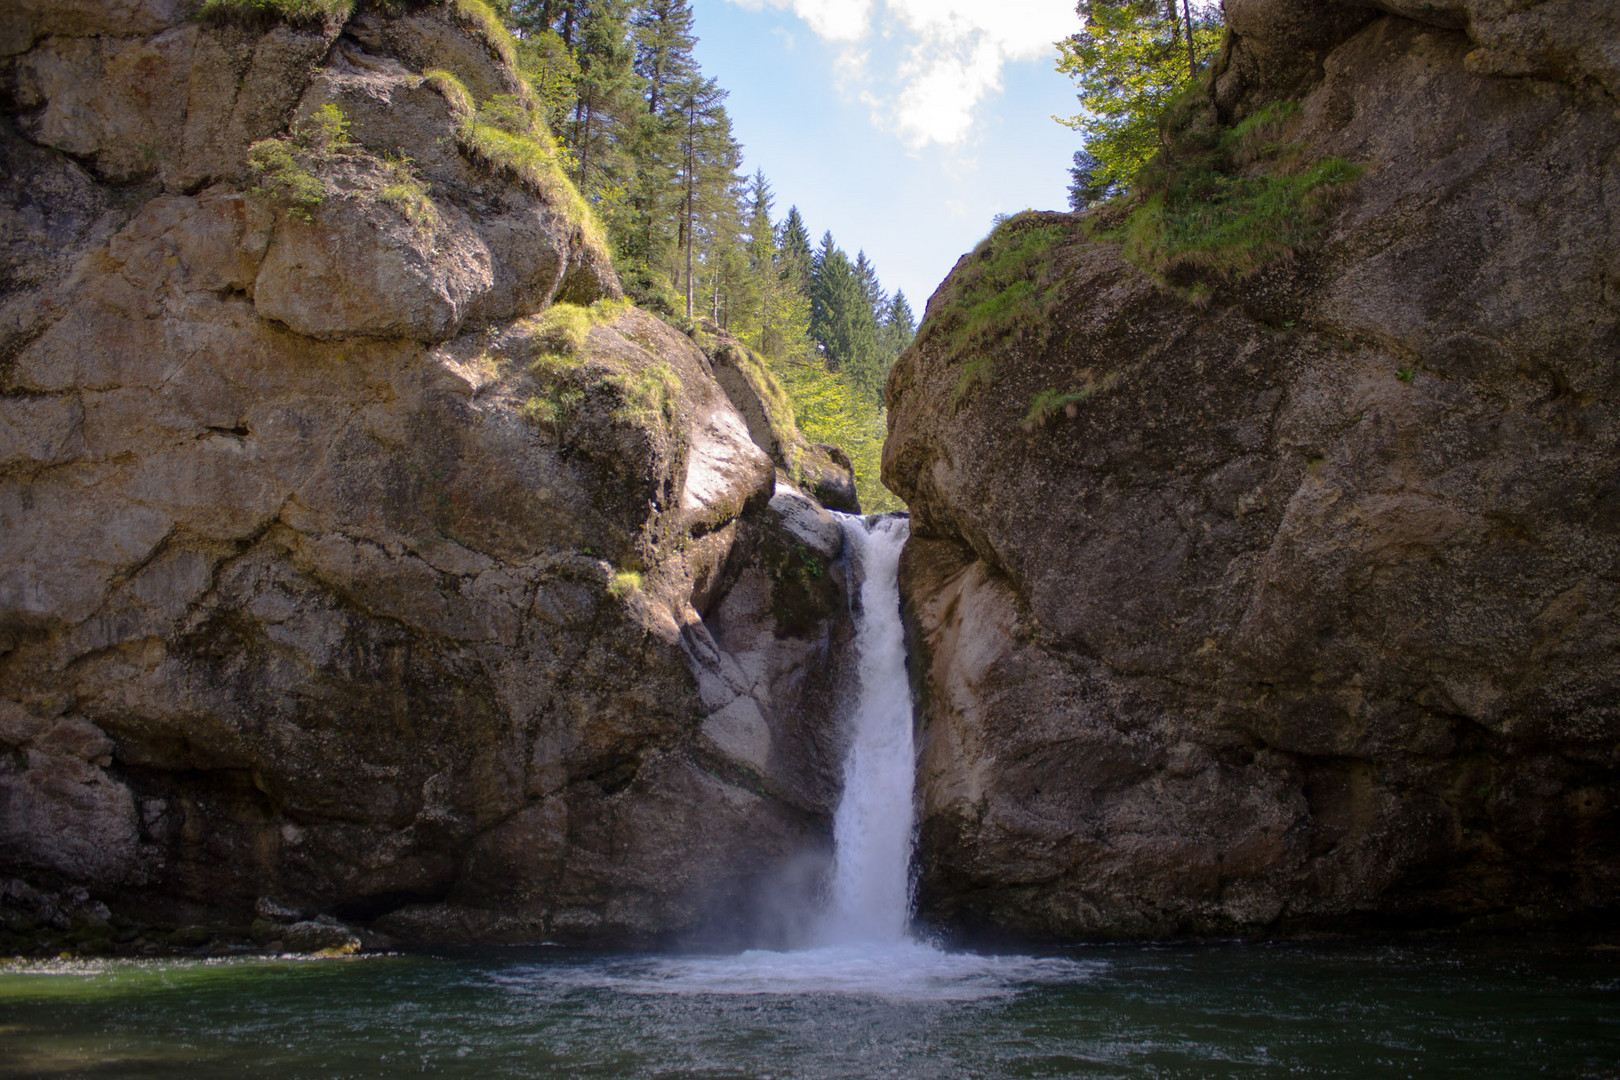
[1288, 603]
[366, 556]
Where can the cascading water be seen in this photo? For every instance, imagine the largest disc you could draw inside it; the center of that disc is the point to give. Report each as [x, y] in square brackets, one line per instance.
[870, 897]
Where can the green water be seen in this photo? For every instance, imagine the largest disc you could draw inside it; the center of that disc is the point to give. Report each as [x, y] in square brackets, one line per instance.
[1470, 1010]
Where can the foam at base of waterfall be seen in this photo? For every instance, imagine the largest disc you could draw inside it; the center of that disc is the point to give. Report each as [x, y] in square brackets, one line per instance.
[901, 971]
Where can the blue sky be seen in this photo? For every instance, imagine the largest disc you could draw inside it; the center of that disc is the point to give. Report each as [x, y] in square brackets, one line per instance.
[903, 126]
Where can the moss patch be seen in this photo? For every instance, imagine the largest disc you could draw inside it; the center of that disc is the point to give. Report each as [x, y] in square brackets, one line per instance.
[506, 135]
[1005, 289]
[802, 591]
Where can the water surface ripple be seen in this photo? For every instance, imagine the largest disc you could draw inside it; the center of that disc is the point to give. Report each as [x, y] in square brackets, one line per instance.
[1479, 1010]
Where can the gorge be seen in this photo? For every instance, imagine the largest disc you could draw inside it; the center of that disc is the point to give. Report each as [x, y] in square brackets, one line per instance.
[370, 558]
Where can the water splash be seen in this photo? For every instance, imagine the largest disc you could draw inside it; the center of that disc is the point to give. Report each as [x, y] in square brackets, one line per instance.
[870, 896]
[897, 971]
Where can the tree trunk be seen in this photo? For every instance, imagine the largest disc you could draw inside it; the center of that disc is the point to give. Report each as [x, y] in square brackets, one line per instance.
[584, 144]
[1192, 57]
[691, 192]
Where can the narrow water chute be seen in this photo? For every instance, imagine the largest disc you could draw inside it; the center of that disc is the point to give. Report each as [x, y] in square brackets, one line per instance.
[869, 897]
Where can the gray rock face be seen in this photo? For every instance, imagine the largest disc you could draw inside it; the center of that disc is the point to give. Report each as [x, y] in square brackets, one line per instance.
[1304, 616]
[330, 570]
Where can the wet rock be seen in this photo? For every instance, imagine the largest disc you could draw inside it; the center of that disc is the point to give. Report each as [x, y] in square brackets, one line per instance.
[276, 912]
[312, 937]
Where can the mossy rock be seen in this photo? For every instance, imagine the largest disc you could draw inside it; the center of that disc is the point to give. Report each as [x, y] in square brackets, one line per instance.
[803, 592]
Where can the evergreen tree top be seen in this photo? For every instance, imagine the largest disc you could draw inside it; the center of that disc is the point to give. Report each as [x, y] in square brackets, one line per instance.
[795, 237]
[663, 41]
[898, 315]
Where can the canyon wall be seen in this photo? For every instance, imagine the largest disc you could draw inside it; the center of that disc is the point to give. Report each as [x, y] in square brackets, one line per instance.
[1287, 601]
[361, 551]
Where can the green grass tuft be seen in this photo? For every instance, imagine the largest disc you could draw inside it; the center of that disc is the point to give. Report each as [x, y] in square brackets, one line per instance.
[623, 583]
[478, 17]
[406, 192]
[286, 167]
[557, 336]
[539, 410]
[453, 90]
[505, 135]
[1047, 405]
[647, 393]
[784, 427]
[1233, 226]
[256, 14]
[1223, 204]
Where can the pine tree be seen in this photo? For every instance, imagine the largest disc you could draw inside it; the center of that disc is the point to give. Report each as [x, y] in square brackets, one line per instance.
[551, 71]
[842, 321]
[762, 257]
[1086, 186]
[899, 325]
[528, 17]
[866, 275]
[719, 231]
[664, 42]
[778, 323]
[797, 260]
[706, 150]
[825, 269]
[606, 90]
[646, 236]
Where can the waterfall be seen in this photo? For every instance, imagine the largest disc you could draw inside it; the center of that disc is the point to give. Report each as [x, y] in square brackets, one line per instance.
[862, 947]
[870, 896]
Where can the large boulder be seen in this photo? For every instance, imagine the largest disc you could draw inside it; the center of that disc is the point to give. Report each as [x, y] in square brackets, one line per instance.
[366, 551]
[1289, 603]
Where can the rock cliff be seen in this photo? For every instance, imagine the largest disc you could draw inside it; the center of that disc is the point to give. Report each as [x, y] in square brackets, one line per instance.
[362, 552]
[1283, 597]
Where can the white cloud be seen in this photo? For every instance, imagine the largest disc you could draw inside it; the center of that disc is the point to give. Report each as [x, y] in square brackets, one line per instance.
[940, 59]
[834, 20]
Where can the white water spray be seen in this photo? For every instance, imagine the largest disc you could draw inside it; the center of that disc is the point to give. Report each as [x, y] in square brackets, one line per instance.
[870, 897]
